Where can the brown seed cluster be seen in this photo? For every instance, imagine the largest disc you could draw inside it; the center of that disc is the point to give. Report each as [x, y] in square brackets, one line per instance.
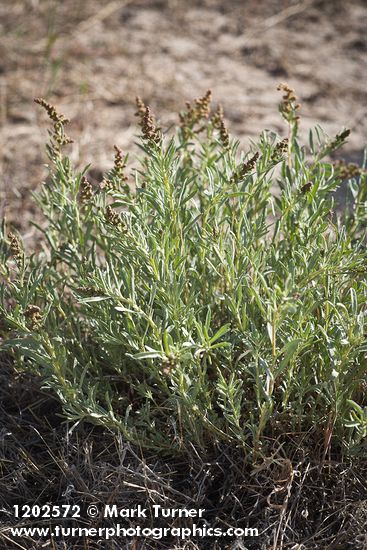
[106, 184]
[218, 116]
[196, 112]
[86, 190]
[339, 140]
[245, 169]
[112, 217]
[15, 248]
[289, 107]
[150, 131]
[119, 164]
[202, 105]
[224, 135]
[347, 170]
[140, 108]
[217, 121]
[279, 150]
[51, 111]
[249, 165]
[33, 315]
[344, 134]
[116, 177]
[306, 188]
[58, 136]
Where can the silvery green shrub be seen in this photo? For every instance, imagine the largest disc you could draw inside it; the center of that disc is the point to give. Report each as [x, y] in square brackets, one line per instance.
[211, 295]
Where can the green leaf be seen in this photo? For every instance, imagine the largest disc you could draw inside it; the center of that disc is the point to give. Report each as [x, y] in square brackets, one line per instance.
[147, 355]
[221, 332]
[290, 352]
[93, 299]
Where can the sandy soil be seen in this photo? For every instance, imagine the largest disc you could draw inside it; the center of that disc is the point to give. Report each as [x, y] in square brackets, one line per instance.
[92, 58]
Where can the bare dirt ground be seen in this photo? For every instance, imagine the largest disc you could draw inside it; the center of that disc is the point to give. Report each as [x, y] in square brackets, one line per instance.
[92, 58]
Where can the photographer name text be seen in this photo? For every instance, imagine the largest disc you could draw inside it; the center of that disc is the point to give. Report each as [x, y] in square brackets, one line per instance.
[157, 511]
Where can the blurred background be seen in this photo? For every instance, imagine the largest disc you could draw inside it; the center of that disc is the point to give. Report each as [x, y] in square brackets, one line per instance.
[91, 58]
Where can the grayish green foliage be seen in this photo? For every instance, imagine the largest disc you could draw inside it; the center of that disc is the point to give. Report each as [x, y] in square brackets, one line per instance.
[220, 308]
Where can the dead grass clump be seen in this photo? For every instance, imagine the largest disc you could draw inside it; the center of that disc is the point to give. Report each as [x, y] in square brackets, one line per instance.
[294, 500]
